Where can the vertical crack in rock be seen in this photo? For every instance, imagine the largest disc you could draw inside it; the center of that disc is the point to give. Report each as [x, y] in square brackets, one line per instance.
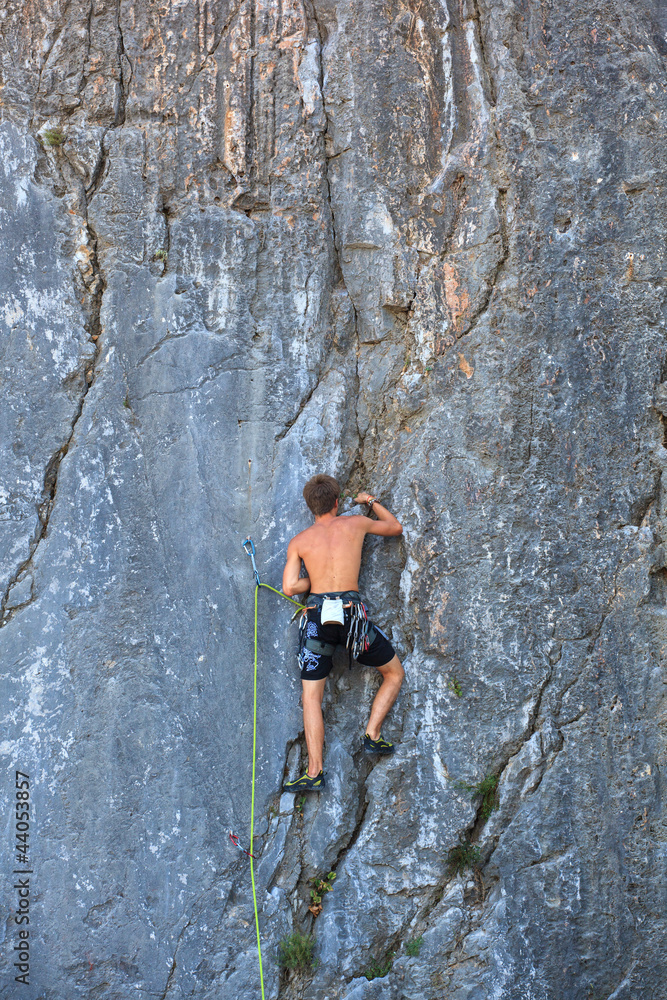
[190, 920]
[310, 11]
[492, 282]
[172, 969]
[332, 215]
[253, 166]
[95, 291]
[94, 285]
[122, 81]
[166, 211]
[86, 58]
[488, 75]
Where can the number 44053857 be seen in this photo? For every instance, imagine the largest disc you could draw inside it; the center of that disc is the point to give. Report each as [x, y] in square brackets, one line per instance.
[22, 782]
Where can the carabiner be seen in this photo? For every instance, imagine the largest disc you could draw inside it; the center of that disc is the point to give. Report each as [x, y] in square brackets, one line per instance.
[249, 548]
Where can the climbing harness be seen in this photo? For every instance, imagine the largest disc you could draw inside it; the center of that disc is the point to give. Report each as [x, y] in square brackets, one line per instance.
[360, 636]
[310, 647]
[249, 548]
[235, 841]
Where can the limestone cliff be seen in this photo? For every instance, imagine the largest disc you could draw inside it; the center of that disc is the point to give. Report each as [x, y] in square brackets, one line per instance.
[420, 246]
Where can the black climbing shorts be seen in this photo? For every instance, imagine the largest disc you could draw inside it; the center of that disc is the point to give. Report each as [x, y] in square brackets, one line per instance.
[315, 666]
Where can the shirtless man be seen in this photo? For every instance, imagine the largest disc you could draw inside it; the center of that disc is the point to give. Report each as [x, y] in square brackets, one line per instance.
[331, 552]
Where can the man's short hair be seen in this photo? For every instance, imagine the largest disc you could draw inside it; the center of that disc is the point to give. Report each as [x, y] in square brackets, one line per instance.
[321, 493]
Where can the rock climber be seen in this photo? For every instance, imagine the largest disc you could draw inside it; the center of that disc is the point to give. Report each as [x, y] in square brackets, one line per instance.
[335, 614]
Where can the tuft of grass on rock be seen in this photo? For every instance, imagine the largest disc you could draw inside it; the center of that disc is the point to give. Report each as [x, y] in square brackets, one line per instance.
[412, 948]
[454, 686]
[296, 951]
[53, 137]
[461, 857]
[378, 970]
[486, 790]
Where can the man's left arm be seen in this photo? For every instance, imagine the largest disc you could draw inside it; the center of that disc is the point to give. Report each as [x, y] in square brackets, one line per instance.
[386, 523]
[292, 582]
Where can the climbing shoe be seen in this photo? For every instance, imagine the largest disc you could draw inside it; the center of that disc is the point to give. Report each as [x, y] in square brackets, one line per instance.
[306, 784]
[377, 746]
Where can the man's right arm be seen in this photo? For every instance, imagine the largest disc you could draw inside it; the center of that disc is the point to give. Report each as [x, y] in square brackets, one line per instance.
[292, 582]
[386, 523]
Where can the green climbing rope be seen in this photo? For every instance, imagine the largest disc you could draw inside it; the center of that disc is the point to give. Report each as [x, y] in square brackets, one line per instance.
[258, 584]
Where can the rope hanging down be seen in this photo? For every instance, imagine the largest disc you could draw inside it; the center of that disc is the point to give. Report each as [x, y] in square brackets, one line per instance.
[249, 548]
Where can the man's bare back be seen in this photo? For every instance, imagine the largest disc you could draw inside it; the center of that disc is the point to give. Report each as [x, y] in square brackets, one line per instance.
[331, 550]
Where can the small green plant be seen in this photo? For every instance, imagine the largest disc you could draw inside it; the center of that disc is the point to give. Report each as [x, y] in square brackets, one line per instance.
[461, 857]
[413, 947]
[300, 803]
[53, 137]
[321, 885]
[161, 255]
[126, 401]
[486, 790]
[296, 951]
[377, 970]
[454, 686]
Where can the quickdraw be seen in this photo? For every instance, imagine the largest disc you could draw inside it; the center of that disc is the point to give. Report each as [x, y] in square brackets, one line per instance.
[235, 841]
[249, 547]
[359, 636]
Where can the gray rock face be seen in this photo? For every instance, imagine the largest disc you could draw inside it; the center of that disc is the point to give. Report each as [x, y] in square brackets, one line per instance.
[418, 246]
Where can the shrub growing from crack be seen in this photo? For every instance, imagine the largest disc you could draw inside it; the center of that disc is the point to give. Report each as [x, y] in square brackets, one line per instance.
[53, 137]
[321, 885]
[461, 857]
[296, 951]
[486, 790]
[161, 255]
